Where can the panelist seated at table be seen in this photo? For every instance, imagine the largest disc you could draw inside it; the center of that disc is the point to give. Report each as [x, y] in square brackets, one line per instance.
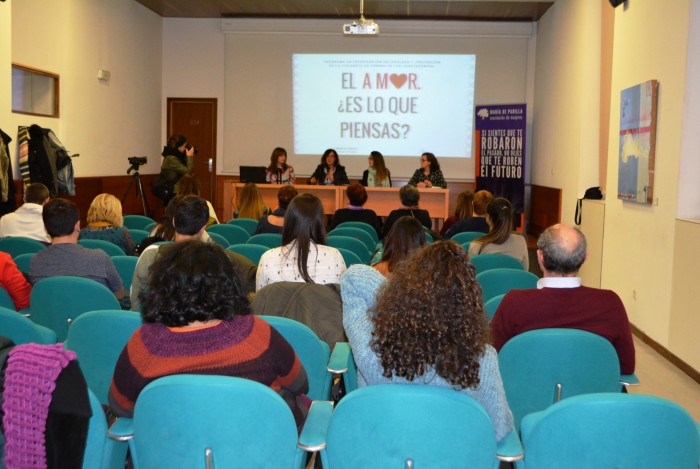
[377, 175]
[329, 172]
[357, 196]
[429, 173]
[410, 197]
[279, 172]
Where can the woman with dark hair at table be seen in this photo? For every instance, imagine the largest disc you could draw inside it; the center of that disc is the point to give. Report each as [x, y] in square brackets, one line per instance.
[329, 172]
[197, 320]
[410, 197]
[273, 222]
[279, 172]
[377, 175]
[429, 174]
[303, 256]
[357, 196]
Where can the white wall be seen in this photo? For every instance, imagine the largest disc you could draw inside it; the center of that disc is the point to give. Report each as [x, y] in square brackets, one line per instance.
[6, 67]
[105, 122]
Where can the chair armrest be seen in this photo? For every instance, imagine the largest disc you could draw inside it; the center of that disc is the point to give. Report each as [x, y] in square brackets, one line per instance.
[313, 434]
[629, 380]
[509, 449]
[122, 429]
[340, 357]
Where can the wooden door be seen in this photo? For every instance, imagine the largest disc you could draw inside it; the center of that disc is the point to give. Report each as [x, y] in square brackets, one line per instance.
[195, 118]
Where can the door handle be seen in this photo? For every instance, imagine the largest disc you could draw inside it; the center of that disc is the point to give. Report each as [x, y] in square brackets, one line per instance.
[211, 162]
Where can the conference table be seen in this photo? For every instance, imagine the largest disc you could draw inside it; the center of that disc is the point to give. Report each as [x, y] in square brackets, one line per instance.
[380, 199]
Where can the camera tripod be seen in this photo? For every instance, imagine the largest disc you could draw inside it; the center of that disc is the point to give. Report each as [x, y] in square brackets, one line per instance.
[138, 187]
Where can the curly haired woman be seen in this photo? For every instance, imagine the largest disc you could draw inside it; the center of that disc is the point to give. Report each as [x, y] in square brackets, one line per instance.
[412, 329]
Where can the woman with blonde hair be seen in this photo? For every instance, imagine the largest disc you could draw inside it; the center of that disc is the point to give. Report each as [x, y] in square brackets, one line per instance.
[105, 222]
[251, 203]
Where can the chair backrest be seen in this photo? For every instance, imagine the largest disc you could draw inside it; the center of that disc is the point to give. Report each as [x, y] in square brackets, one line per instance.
[428, 237]
[351, 244]
[126, 265]
[98, 337]
[484, 262]
[220, 240]
[312, 352]
[6, 300]
[22, 330]
[496, 282]
[466, 236]
[248, 224]
[350, 257]
[271, 240]
[138, 235]
[252, 251]
[181, 420]
[102, 452]
[150, 226]
[233, 234]
[16, 245]
[388, 425]
[137, 222]
[363, 226]
[110, 248]
[55, 302]
[611, 430]
[23, 260]
[491, 306]
[543, 366]
[357, 233]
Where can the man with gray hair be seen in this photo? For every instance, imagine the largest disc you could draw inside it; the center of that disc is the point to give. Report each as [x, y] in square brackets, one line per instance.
[561, 301]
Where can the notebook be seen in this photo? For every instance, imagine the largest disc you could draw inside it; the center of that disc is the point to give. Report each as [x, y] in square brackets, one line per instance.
[254, 174]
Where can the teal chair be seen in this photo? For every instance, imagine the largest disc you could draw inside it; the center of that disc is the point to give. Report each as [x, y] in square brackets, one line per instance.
[252, 251]
[220, 240]
[138, 235]
[233, 234]
[312, 352]
[210, 421]
[57, 301]
[356, 233]
[611, 430]
[23, 261]
[137, 222]
[484, 262]
[150, 226]
[466, 237]
[248, 224]
[363, 226]
[544, 366]
[101, 452]
[271, 240]
[351, 244]
[428, 237]
[350, 257]
[110, 248]
[491, 306]
[22, 330]
[343, 363]
[98, 337]
[126, 265]
[406, 425]
[496, 282]
[16, 245]
[6, 300]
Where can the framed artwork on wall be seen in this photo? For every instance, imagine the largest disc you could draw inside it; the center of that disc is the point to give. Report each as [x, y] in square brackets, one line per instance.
[635, 180]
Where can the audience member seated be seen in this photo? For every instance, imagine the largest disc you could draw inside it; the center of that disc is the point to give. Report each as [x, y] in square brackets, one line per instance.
[464, 210]
[561, 301]
[303, 256]
[412, 329]
[274, 222]
[65, 256]
[26, 221]
[500, 239]
[357, 196]
[189, 185]
[190, 215]
[405, 236]
[377, 175]
[477, 221]
[410, 197]
[197, 320]
[329, 172]
[14, 282]
[105, 222]
[250, 203]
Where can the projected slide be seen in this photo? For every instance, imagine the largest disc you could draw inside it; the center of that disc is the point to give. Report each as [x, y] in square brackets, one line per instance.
[399, 104]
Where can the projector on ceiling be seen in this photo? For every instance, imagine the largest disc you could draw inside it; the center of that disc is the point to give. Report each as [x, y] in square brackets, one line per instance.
[363, 28]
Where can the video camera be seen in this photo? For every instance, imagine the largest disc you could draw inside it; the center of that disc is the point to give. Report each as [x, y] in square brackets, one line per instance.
[135, 162]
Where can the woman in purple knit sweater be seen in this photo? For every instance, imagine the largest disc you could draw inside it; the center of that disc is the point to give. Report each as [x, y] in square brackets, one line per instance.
[197, 320]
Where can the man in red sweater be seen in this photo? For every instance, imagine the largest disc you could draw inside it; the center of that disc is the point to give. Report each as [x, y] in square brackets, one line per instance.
[561, 301]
